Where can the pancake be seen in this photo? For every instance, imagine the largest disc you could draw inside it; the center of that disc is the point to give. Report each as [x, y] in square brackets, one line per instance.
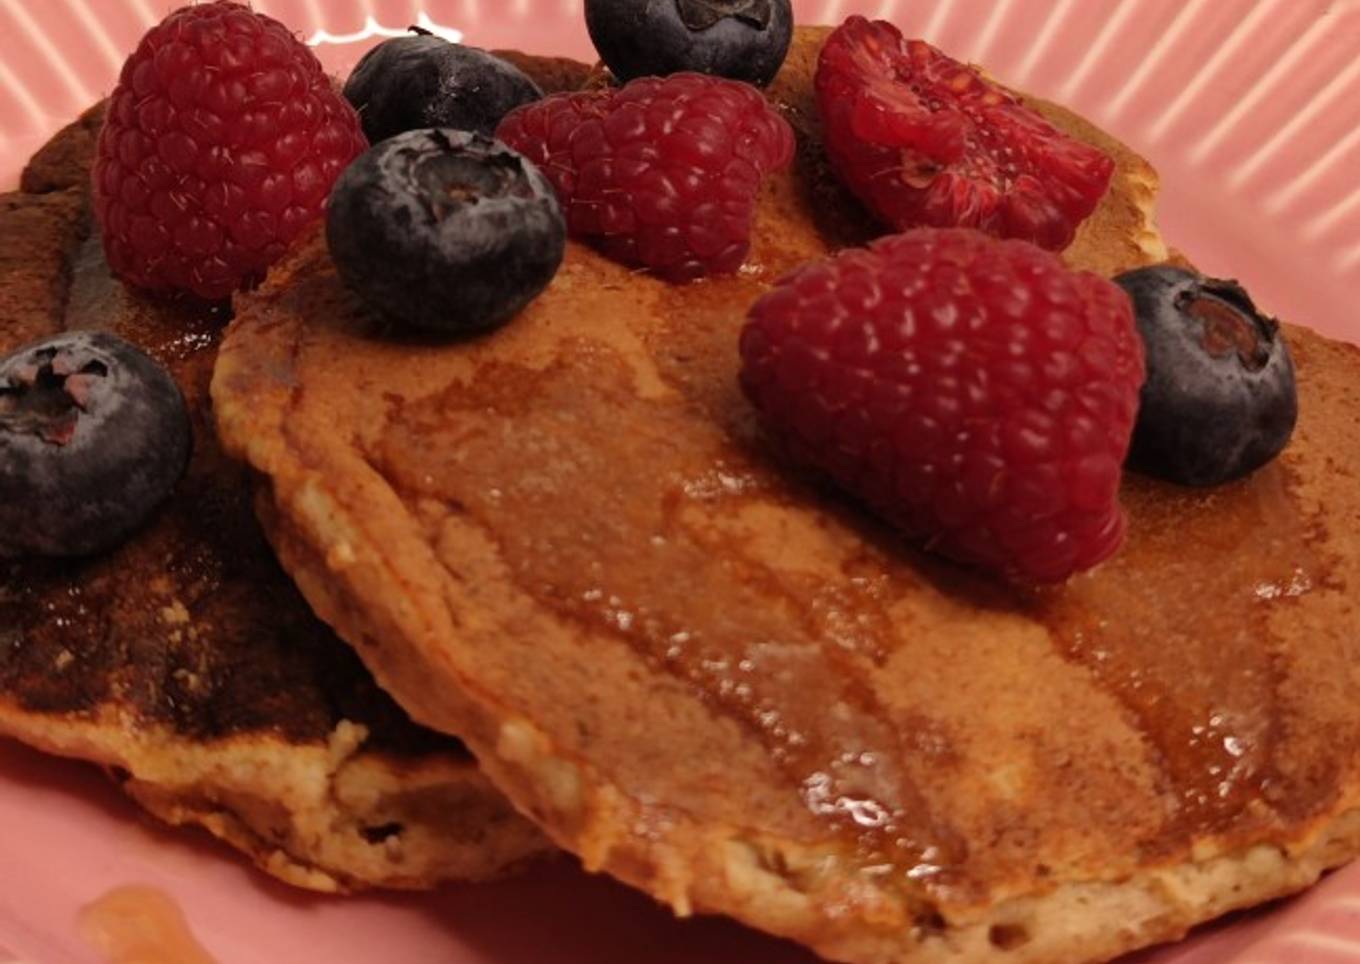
[722, 683]
[185, 662]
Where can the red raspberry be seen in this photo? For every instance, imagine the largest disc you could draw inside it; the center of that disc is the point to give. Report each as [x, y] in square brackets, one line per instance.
[662, 173]
[924, 140]
[222, 140]
[976, 392]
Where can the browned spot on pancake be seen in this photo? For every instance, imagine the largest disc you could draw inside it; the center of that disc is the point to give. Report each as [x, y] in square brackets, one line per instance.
[191, 622]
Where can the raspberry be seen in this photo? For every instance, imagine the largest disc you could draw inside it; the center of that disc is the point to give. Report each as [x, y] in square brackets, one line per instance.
[977, 393]
[222, 140]
[924, 140]
[662, 173]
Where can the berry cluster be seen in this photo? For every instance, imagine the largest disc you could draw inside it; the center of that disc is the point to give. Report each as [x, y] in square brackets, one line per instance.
[972, 390]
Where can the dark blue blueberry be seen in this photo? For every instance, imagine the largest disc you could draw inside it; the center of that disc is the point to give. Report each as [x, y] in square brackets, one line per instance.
[93, 437]
[409, 83]
[741, 39]
[1219, 400]
[445, 230]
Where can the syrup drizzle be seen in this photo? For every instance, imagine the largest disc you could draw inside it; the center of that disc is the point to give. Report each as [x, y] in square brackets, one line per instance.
[1196, 669]
[793, 657]
[137, 924]
[615, 561]
[1206, 570]
[630, 535]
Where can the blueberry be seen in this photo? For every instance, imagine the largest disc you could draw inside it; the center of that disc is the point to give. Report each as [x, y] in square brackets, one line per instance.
[1219, 400]
[93, 437]
[445, 230]
[409, 83]
[741, 39]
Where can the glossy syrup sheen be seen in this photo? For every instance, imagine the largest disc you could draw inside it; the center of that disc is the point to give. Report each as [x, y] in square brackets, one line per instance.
[602, 444]
[631, 559]
[644, 518]
[1179, 628]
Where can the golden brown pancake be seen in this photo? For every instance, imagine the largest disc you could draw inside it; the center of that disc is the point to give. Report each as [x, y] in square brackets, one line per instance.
[186, 662]
[568, 542]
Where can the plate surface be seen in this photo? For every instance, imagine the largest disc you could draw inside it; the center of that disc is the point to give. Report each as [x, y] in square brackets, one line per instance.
[1249, 108]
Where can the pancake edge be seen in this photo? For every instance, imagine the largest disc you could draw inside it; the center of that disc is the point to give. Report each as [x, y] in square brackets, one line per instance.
[300, 815]
[767, 883]
[294, 808]
[770, 883]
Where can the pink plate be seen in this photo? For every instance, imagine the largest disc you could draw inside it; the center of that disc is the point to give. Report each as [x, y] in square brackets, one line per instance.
[1247, 107]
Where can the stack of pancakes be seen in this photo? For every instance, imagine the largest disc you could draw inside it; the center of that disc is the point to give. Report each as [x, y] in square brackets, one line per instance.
[186, 662]
[568, 544]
